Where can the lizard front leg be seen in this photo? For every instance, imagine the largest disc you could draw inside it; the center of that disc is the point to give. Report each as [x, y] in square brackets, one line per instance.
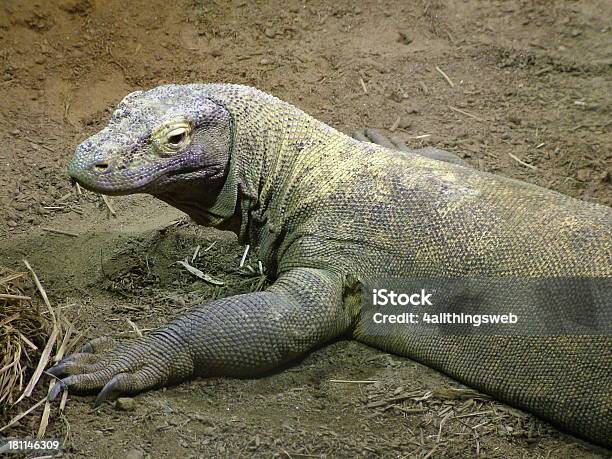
[240, 335]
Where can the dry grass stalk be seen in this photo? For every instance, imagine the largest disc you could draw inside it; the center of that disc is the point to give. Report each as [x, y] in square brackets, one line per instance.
[22, 328]
[28, 342]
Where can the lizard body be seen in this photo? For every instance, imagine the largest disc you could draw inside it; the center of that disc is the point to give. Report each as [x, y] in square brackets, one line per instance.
[331, 214]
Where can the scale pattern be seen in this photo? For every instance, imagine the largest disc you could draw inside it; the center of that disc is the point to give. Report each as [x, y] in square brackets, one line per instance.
[329, 214]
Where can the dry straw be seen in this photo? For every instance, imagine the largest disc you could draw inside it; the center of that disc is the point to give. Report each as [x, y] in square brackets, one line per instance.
[31, 336]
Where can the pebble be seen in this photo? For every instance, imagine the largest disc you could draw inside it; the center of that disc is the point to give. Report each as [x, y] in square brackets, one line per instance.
[583, 175]
[125, 404]
[515, 119]
[135, 453]
[270, 33]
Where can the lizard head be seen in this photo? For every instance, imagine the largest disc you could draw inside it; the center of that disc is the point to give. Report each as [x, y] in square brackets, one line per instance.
[156, 141]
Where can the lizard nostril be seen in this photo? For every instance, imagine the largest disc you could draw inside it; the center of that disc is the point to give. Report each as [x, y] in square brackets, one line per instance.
[100, 166]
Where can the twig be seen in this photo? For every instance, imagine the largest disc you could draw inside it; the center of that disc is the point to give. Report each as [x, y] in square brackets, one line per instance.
[244, 255]
[197, 273]
[11, 277]
[135, 327]
[44, 419]
[522, 163]
[64, 345]
[65, 197]
[42, 363]
[108, 204]
[78, 187]
[544, 70]
[196, 252]
[46, 147]
[63, 401]
[42, 291]
[429, 454]
[446, 77]
[363, 85]
[25, 413]
[8, 296]
[395, 124]
[463, 112]
[56, 231]
[27, 341]
[210, 246]
[348, 381]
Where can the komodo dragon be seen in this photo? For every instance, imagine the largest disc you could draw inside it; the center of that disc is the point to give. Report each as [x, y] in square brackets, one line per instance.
[331, 215]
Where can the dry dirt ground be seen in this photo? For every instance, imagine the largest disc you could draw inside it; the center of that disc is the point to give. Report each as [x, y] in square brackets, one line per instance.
[529, 99]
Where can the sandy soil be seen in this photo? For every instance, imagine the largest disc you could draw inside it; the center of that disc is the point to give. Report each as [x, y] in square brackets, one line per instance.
[529, 99]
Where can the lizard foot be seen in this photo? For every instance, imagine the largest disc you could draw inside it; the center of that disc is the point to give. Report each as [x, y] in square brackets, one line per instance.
[393, 143]
[127, 368]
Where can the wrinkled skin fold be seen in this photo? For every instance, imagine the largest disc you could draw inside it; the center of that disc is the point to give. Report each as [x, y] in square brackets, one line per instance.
[329, 213]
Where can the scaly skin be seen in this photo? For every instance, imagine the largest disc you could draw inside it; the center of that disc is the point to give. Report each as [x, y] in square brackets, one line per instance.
[330, 215]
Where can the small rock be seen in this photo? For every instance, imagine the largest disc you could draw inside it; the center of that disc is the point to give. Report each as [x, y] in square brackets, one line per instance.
[404, 124]
[125, 404]
[11, 223]
[208, 431]
[270, 33]
[515, 119]
[21, 206]
[583, 175]
[265, 61]
[135, 453]
[15, 132]
[215, 53]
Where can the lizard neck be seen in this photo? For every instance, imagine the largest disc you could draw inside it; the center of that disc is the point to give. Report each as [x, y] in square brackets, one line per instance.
[270, 139]
[267, 136]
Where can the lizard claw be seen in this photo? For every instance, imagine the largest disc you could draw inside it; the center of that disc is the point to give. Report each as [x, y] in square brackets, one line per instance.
[55, 391]
[131, 367]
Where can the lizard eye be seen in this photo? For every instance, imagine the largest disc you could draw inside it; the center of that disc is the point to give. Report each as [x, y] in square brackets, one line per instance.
[172, 138]
[176, 137]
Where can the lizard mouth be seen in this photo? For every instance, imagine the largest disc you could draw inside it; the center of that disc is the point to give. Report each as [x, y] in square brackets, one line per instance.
[187, 171]
[128, 184]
